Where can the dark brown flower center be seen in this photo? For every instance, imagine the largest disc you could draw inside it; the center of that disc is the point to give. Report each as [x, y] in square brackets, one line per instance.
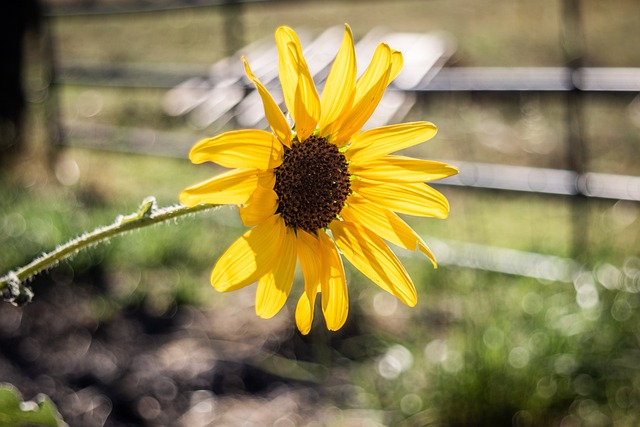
[312, 184]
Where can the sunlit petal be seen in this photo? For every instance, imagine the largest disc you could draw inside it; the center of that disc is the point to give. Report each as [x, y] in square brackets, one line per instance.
[250, 257]
[239, 149]
[378, 68]
[309, 255]
[306, 111]
[386, 224]
[287, 68]
[274, 115]
[378, 142]
[397, 61]
[338, 92]
[409, 198]
[369, 90]
[233, 187]
[274, 287]
[335, 299]
[305, 311]
[402, 169]
[299, 90]
[369, 254]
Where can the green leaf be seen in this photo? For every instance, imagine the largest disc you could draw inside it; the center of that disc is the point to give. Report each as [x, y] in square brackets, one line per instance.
[16, 413]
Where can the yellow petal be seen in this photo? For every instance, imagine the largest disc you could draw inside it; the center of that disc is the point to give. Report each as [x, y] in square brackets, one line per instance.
[274, 287]
[304, 312]
[397, 61]
[369, 90]
[262, 203]
[287, 70]
[306, 112]
[250, 257]
[378, 68]
[309, 255]
[274, 115]
[335, 299]
[401, 169]
[369, 254]
[240, 149]
[299, 91]
[386, 224]
[233, 187]
[338, 92]
[378, 142]
[410, 198]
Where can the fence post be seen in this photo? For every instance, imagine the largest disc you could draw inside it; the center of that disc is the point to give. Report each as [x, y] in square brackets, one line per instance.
[573, 46]
[55, 130]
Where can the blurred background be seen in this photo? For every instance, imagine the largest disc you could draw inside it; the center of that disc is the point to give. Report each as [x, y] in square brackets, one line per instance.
[531, 318]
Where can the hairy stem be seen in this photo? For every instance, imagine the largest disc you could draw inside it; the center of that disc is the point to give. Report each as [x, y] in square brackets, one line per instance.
[147, 214]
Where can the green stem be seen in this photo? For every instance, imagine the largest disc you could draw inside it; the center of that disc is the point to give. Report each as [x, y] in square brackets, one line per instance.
[146, 215]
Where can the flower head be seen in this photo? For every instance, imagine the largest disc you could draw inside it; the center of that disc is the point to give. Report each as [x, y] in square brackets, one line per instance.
[294, 184]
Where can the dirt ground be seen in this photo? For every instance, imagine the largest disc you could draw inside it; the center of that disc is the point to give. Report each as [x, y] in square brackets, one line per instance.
[187, 367]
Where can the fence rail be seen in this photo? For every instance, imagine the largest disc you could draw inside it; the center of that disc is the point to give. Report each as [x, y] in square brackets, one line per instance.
[575, 181]
[447, 79]
[490, 176]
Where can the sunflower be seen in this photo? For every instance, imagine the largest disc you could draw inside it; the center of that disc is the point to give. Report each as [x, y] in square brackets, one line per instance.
[321, 188]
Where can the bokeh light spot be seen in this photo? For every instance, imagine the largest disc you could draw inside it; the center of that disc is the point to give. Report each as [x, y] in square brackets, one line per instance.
[396, 360]
[493, 337]
[410, 403]
[546, 387]
[385, 304]
[519, 357]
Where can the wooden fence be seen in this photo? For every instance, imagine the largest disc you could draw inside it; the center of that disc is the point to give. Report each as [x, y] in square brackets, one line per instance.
[224, 91]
